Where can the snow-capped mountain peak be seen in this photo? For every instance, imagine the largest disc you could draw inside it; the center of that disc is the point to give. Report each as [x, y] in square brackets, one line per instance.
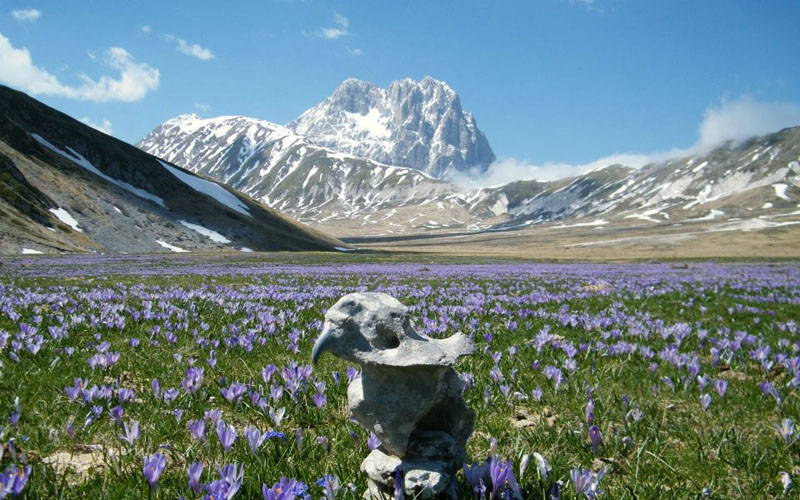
[413, 124]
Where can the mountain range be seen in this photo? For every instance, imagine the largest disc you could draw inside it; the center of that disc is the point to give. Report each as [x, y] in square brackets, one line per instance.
[369, 166]
[325, 169]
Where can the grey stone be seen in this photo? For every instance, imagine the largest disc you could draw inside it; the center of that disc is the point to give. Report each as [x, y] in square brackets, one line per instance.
[408, 393]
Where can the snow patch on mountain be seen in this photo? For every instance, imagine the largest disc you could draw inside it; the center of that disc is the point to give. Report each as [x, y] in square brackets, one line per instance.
[83, 162]
[66, 218]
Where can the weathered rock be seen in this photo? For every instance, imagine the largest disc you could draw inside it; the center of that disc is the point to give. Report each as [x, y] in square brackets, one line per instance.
[408, 393]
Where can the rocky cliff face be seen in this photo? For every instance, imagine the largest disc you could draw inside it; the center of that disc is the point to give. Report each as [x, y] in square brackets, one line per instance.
[411, 124]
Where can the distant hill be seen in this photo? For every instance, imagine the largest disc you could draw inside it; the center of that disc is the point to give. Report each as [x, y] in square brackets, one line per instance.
[65, 186]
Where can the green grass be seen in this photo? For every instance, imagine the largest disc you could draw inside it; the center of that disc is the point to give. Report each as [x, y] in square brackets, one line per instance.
[675, 451]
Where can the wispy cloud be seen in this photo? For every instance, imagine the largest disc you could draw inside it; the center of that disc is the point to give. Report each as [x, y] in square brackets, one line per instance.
[190, 49]
[146, 29]
[741, 118]
[205, 108]
[355, 52]
[135, 79]
[26, 15]
[104, 126]
[731, 121]
[507, 170]
[333, 32]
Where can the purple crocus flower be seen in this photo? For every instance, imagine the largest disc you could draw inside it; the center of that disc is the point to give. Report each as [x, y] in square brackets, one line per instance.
[13, 480]
[502, 477]
[398, 484]
[478, 477]
[330, 485]
[194, 472]
[541, 466]
[319, 400]
[116, 413]
[153, 467]
[156, 388]
[786, 430]
[232, 475]
[323, 442]
[226, 435]
[277, 415]
[131, 433]
[234, 392]
[213, 416]
[285, 489]
[586, 482]
[705, 401]
[254, 438]
[373, 442]
[198, 428]
[595, 437]
[721, 386]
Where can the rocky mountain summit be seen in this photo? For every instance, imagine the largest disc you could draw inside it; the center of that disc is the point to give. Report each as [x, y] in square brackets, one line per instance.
[419, 125]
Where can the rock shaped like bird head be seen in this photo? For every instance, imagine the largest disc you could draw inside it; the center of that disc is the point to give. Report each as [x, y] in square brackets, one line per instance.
[375, 329]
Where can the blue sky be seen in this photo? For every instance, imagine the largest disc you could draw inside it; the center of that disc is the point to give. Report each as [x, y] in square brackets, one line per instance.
[554, 84]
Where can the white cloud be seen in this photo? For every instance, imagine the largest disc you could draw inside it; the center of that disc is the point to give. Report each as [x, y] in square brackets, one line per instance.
[332, 33]
[341, 20]
[146, 29]
[104, 127]
[733, 120]
[205, 108]
[26, 15]
[507, 170]
[134, 82]
[741, 118]
[355, 52]
[191, 49]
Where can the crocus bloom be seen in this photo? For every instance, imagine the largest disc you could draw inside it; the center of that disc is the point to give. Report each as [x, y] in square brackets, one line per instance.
[373, 442]
[131, 433]
[254, 438]
[226, 434]
[198, 428]
[705, 401]
[194, 472]
[330, 485]
[285, 489]
[477, 476]
[721, 387]
[502, 477]
[277, 415]
[786, 430]
[232, 475]
[319, 399]
[398, 485]
[153, 466]
[586, 482]
[595, 437]
[541, 466]
[13, 480]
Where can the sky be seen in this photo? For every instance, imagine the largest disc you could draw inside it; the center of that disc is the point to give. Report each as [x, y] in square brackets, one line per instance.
[557, 86]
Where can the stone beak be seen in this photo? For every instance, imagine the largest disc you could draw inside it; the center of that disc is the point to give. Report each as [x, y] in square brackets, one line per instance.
[322, 344]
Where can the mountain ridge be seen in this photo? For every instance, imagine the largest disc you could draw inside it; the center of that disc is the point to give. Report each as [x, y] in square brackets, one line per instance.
[79, 190]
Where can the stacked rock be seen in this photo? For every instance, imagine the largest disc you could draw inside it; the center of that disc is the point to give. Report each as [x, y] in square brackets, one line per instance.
[408, 394]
